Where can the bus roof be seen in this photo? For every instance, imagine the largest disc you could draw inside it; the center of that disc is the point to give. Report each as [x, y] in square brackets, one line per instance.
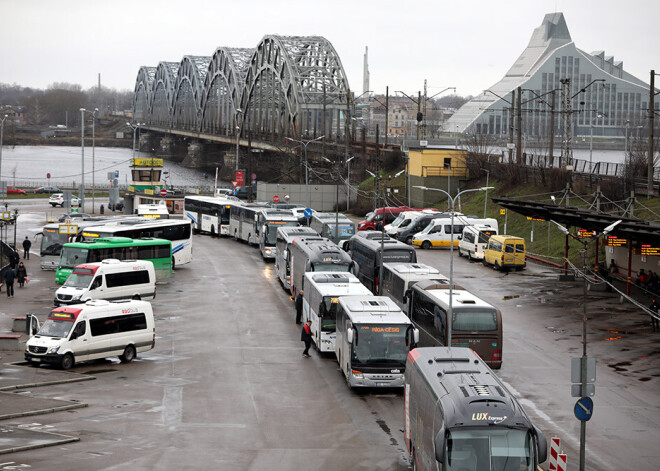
[406, 268]
[460, 297]
[296, 231]
[110, 241]
[373, 310]
[337, 284]
[466, 388]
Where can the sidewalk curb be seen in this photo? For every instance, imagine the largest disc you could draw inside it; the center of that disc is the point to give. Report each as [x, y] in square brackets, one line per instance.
[41, 445]
[45, 383]
[44, 411]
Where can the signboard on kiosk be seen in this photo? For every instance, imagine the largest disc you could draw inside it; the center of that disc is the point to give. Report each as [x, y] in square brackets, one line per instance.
[614, 241]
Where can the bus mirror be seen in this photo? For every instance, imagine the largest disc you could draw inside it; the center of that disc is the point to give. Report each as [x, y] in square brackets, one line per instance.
[355, 269]
[349, 335]
[440, 446]
[542, 445]
[415, 336]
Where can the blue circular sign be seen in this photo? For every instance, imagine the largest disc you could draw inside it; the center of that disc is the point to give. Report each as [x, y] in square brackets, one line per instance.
[307, 213]
[584, 409]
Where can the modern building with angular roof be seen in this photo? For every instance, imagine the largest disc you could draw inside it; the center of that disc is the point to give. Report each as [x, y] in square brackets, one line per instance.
[552, 56]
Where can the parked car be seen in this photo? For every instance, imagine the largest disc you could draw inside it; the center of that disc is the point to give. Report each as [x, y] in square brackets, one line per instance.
[12, 190]
[57, 199]
[48, 190]
[66, 216]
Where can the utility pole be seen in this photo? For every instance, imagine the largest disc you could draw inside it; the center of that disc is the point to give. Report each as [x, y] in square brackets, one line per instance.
[519, 144]
[511, 123]
[424, 112]
[552, 127]
[325, 129]
[387, 112]
[649, 191]
[419, 110]
[566, 151]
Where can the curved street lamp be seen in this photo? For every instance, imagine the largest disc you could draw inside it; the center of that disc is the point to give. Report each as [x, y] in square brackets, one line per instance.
[451, 248]
[305, 144]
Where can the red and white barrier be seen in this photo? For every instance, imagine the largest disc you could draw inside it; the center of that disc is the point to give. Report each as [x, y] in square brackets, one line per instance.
[561, 462]
[554, 453]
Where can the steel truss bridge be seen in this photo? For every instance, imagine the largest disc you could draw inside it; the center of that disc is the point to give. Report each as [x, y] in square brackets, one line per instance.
[288, 86]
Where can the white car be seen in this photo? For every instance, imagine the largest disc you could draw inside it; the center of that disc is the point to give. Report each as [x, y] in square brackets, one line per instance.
[57, 199]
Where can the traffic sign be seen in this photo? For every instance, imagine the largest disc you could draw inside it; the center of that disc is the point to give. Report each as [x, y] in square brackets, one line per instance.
[307, 213]
[584, 409]
[163, 192]
[234, 183]
[276, 199]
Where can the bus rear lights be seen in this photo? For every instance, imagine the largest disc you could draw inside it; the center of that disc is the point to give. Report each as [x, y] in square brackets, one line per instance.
[497, 355]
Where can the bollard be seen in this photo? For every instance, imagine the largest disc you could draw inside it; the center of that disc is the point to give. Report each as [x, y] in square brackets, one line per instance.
[102, 209]
[554, 452]
[561, 462]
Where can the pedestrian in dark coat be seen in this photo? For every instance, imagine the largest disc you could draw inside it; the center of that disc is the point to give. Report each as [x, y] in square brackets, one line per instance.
[13, 259]
[26, 248]
[299, 308]
[306, 336]
[21, 274]
[655, 323]
[10, 275]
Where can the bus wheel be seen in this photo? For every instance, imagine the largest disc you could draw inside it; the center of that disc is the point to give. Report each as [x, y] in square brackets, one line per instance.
[67, 362]
[136, 297]
[426, 245]
[129, 354]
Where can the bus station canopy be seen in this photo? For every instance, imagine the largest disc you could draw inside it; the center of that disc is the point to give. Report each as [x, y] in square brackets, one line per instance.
[636, 230]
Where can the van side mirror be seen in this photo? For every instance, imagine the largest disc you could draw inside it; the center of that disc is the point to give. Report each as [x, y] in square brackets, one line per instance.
[349, 335]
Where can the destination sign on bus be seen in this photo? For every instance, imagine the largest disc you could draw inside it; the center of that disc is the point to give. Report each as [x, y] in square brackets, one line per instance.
[62, 315]
[648, 249]
[530, 218]
[89, 234]
[614, 241]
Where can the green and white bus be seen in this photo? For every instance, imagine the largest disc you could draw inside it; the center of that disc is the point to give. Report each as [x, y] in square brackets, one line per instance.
[157, 251]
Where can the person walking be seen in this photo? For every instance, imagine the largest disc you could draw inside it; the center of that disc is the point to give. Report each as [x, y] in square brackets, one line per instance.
[26, 248]
[13, 259]
[306, 336]
[21, 274]
[655, 323]
[10, 275]
[299, 308]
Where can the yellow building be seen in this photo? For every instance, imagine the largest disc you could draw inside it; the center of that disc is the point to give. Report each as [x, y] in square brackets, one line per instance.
[435, 167]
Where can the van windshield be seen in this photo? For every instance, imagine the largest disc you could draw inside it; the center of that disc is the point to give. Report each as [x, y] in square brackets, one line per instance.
[78, 280]
[55, 328]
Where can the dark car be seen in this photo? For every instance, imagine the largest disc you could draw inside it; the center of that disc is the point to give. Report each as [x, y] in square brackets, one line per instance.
[116, 206]
[418, 225]
[48, 190]
[242, 192]
[64, 217]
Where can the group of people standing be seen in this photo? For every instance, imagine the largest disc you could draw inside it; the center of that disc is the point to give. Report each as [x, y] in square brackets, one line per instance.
[17, 271]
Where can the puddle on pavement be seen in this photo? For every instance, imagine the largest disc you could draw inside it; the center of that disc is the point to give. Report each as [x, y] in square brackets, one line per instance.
[616, 334]
[511, 296]
[95, 372]
[620, 366]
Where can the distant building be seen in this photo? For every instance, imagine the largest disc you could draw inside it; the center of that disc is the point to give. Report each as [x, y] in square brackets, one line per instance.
[551, 56]
[15, 114]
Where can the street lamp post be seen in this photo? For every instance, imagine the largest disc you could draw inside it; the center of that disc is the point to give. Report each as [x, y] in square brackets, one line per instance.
[486, 196]
[451, 249]
[2, 128]
[583, 378]
[591, 142]
[348, 182]
[238, 135]
[81, 205]
[93, 159]
[304, 144]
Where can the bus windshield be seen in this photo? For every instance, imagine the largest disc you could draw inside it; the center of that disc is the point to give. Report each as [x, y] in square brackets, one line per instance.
[474, 321]
[51, 242]
[78, 280]
[328, 313]
[55, 328]
[72, 256]
[341, 267]
[496, 449]
[378, 344]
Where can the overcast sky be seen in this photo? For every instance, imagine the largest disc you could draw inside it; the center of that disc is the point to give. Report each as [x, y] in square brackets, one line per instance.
[468, 44]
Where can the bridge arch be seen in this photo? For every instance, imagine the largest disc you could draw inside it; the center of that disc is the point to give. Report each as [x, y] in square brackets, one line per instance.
[188, 91]
[143, 94]
[295, 86]
[163, 92]
[223, 87]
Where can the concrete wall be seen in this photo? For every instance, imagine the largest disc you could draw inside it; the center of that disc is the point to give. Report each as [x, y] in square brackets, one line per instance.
[321, 197]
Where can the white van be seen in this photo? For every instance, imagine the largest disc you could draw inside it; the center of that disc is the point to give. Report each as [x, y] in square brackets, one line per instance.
[439, 231]
[111, 279]
[474, 241]
[97, 329]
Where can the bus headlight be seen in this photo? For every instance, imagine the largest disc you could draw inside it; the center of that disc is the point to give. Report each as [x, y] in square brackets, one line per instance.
[357, 374]
[53, 349]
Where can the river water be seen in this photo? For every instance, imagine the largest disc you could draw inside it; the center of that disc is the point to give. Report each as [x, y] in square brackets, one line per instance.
[29, 166]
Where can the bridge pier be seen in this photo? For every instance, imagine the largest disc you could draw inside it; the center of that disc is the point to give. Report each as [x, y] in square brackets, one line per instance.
[204, 155]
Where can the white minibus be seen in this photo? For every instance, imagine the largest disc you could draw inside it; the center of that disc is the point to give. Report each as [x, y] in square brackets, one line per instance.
[474, 241]
[320, 301]
[97, 329]
[111, 279]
